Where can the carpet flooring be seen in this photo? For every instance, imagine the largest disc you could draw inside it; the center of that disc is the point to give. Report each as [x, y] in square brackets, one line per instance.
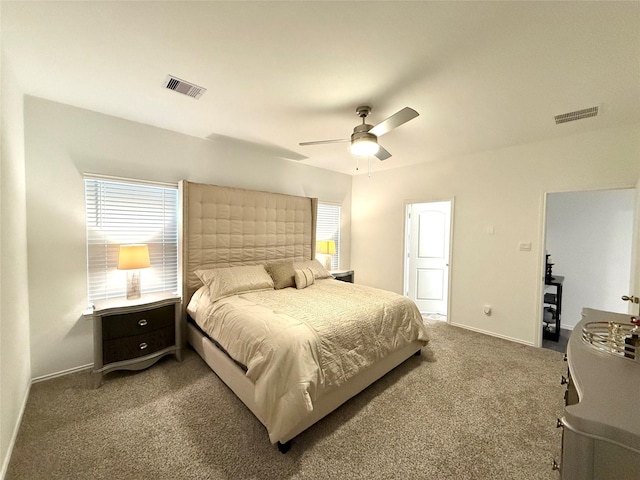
[471, 407]
[561, 344]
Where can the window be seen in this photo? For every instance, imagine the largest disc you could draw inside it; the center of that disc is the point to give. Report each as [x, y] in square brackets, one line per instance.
[328, 228]
[128, 212]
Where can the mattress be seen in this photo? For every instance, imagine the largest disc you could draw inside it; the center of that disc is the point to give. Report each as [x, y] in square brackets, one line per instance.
[300, 343]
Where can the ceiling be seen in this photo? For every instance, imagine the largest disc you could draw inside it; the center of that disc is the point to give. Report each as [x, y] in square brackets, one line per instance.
[482, 75]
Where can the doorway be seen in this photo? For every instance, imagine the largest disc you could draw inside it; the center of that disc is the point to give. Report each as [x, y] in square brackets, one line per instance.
[427, 257]
[589, 246]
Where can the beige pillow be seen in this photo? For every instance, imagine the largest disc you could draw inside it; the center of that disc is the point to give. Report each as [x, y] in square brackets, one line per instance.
[282, 274]
[226, 281]
[304, 278]
[316, 267]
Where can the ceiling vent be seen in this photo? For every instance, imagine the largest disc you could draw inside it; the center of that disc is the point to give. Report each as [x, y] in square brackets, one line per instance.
[577, 115]
[180, 86]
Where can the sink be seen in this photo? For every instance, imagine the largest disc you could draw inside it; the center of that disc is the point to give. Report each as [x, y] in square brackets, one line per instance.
[609, 337]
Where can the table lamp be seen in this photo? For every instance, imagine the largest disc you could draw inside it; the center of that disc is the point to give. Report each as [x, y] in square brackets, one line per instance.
[326, 248]
[132, 258]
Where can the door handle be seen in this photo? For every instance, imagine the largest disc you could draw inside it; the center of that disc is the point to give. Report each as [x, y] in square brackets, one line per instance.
[631, 298]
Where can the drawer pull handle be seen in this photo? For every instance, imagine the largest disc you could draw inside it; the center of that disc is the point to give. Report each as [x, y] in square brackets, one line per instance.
[142, 322]
[143, 345]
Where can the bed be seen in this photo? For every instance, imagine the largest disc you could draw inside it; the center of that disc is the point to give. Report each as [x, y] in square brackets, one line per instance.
[289, 340]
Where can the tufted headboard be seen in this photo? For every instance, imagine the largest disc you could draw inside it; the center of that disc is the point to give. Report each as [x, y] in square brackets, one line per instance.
[226, 226]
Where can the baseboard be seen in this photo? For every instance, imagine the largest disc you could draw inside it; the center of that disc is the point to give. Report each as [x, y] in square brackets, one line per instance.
[62, 373]
[14, 436]
[492, 334]
[16, 428]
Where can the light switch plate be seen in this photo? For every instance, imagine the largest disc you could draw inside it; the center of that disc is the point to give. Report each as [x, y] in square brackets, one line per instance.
[525, 246]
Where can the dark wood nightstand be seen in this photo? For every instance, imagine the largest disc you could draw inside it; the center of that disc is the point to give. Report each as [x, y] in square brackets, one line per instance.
[344, 275]
[135, 334]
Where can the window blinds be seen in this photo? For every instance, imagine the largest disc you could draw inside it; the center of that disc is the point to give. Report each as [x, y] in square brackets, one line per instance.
[120, 212]
[328, 228]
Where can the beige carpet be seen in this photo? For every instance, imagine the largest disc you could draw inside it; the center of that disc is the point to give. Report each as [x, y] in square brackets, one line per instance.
[471, 407]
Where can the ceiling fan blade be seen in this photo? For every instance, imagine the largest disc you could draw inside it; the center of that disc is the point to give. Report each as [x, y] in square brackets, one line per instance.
[382, 154]
[256, 147]
[322, 142]
[394, 121]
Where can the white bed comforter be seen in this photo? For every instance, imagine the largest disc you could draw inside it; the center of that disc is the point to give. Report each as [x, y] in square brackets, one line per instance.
[299, 343]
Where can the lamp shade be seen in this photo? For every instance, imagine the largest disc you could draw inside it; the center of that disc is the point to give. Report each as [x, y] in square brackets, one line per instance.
[364, 147]
[326, 247]
[133, 257]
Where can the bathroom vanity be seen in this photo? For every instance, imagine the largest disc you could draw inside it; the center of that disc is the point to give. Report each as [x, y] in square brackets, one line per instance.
[601, 422]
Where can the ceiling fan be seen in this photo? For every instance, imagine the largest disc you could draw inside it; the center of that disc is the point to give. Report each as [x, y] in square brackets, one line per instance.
[364, 139]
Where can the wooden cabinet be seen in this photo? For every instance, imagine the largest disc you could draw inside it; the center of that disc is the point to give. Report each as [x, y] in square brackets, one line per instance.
[132, 335]
[600, 426]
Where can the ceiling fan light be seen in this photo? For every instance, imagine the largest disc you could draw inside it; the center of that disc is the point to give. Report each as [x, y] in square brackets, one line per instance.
[363, 147]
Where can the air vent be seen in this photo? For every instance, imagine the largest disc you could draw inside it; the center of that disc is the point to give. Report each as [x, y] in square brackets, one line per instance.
[577, 115]
[180, 86]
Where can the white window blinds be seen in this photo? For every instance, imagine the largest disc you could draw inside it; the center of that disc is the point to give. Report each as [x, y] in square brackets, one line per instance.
[122, 212]
[328, 228]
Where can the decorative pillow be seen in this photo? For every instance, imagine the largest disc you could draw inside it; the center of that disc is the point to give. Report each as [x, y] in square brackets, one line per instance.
[316, 267]
[304, 278]
[282, 274]
[200, 299]
[227, 281]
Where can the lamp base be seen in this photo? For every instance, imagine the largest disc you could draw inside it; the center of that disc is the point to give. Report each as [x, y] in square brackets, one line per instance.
[327, 262]
[133, 285]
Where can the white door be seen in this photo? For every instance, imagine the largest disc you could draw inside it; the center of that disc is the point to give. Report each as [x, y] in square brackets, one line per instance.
[427, 268]
[635, 256]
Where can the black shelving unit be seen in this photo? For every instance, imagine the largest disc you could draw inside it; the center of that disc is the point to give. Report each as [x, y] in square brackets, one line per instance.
[552, 308]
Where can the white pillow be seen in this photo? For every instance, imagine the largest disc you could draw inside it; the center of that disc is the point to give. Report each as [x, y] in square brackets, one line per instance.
[304, 278]
[316, 267]
[199, 299]
[226, 281]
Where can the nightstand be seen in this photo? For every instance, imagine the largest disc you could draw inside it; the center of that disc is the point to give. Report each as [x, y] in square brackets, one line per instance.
[135, 334]
[343, 275]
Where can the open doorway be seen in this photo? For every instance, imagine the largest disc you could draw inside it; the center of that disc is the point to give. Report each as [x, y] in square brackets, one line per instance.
[427, 256]
[589, 244]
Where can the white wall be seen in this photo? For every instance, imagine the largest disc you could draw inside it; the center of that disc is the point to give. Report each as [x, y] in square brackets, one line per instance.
[15, 374]
[62, 143]
[589, 237]
[504, 189]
